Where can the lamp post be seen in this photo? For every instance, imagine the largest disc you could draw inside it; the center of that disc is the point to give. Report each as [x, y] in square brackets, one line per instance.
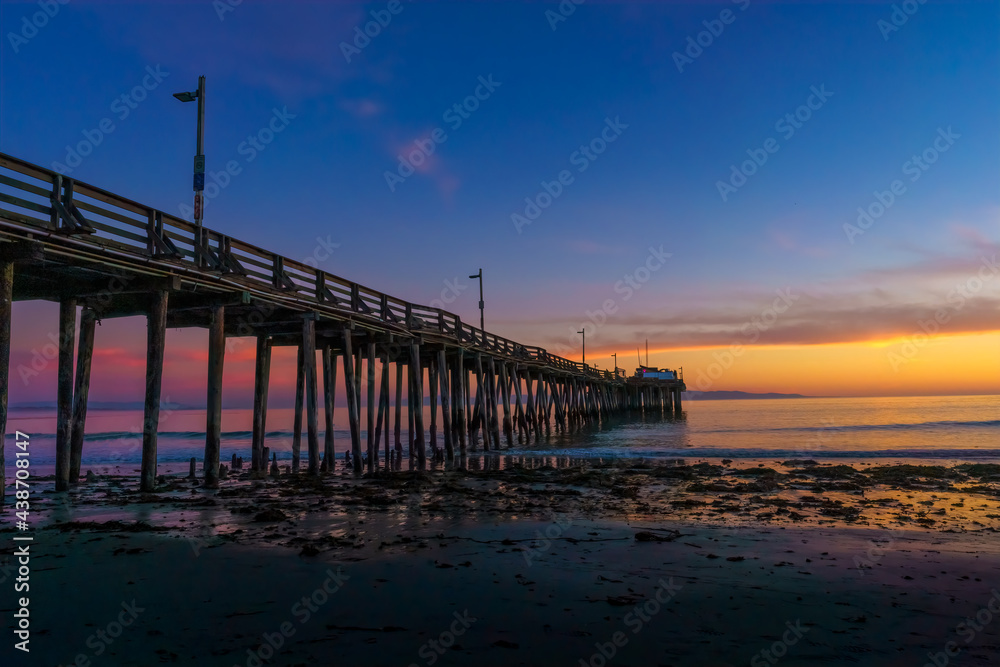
[199, 166]
[614, 355]
[584, 332]
[482, 316]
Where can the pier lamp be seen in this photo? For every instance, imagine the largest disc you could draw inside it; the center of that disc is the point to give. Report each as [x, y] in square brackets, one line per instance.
[199, 164]
[482, 316]
[614, 355]
[584, 332]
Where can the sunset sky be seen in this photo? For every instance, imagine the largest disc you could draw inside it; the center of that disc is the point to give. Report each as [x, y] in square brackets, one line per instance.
[762, 279]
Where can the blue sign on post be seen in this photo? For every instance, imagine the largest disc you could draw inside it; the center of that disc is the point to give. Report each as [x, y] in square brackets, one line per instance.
[199, 182]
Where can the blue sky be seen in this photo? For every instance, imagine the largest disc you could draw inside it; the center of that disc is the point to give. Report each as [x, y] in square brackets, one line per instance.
[656, 184]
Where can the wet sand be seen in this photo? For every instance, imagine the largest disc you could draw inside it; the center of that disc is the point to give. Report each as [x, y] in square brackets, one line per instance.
[705, 564]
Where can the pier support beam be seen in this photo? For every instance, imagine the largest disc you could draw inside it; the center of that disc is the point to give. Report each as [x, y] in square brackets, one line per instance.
[64, 397]
[399, 409]
[329, 385]
[370, 405]
[352, 402]
[300, 387]
[6, 299]
[156, 338]
[383, 406]
[432, 377]
[418, 390]
[442, 373]
[312, 398]
[213, 405]
[262, 375]
[84, 361]
[460, 402]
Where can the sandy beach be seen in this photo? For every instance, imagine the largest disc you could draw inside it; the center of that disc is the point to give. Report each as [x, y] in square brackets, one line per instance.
[705, 564]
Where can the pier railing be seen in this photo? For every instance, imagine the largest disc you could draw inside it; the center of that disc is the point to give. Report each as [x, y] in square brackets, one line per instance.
[37, 200]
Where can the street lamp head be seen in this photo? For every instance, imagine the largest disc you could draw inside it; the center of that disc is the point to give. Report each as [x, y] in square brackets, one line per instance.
[187, 97]
[475, 276]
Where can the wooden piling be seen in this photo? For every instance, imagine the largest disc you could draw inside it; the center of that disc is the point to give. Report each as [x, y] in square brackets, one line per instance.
[442, 372]
[300, 386]
[64, 397]
[352, 402]
[6, 301]
[213, 403]
[312, 398]
[329, 396]
[505, 395]
[399, 407]
[84, 361]
[383, 407]
[418, 388]
[370, 405]
[262, 372]
[460, 402]
[432, 398]
[156, 337]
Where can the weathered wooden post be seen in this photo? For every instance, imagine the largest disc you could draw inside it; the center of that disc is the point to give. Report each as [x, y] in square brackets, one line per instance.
[418, 388]
[505, 384]
[84, 361]
[449, 447]
[494, 400]
[383, 406]
[370, 405]
[399, 408]
[352, 402]
[312, 399]
[432, 398]
[6, 301]
[329, 389]
[262, 372]
[64, 397]
[213, 403]
[460, 401]
[156, 338]
[300, 387]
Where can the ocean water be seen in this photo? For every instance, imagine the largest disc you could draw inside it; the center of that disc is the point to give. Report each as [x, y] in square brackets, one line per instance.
[956, 428]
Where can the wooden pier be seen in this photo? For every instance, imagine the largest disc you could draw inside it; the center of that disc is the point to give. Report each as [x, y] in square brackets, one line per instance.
[91, 250]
